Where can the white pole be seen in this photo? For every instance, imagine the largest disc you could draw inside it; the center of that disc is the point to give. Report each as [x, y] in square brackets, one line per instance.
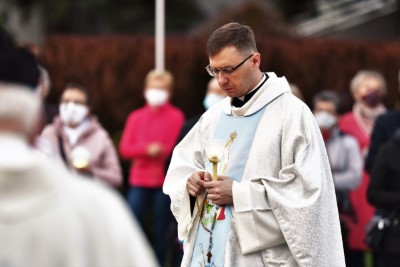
[160, 34]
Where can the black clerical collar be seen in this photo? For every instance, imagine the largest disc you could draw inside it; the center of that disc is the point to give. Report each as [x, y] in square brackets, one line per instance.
[236, 102]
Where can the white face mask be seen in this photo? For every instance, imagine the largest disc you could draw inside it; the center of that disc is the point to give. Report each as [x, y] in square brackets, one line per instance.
[325, 120]
[211, 99]
[156, 97]
[72, 113]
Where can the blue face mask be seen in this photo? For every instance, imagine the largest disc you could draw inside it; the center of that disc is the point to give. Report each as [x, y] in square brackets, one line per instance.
[211, 99]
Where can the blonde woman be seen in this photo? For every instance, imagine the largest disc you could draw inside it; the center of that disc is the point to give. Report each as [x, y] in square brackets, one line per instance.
[367, 87]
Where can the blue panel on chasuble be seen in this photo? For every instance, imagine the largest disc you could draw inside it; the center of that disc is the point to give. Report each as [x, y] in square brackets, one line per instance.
[215, 221]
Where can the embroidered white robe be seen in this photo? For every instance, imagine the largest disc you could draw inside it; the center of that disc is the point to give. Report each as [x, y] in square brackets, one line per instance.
[284, 207]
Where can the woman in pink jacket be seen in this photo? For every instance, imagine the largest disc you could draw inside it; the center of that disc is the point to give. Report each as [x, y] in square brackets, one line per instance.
[78, 139]
[148, 139]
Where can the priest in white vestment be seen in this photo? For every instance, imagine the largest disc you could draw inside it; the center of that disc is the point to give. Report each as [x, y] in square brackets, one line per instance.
[274, 202]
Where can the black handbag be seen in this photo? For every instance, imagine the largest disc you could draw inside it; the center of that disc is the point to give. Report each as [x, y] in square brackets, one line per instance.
[377, 228]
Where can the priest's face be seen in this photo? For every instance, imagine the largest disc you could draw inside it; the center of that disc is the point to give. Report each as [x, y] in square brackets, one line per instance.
[242, 73]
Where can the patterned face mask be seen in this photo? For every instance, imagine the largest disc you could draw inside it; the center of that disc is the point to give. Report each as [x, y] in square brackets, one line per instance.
[372, 100]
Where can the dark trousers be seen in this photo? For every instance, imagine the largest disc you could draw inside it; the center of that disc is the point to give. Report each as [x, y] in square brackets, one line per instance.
[354, 258]
[388, 260]
[144, 200]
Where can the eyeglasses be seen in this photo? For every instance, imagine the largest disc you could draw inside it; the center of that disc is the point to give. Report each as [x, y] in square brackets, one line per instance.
[76, 102]
[214, 72]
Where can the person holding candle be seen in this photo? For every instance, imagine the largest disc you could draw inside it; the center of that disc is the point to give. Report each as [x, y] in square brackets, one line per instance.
[274, 201]
[78, 139]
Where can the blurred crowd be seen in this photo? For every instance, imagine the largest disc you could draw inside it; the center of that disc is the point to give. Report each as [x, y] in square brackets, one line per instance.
[363, 147]
[364, 175]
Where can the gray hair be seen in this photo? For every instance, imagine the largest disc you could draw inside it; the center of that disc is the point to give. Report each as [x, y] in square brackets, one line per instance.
[20, 105]
[327, 96]
[45, 81]
[363, 75]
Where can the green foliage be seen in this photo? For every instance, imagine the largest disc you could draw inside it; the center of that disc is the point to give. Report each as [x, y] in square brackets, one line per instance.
[292, 8]
[111, 16]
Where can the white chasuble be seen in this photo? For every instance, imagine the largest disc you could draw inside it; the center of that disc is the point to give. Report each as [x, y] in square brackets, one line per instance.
[284, 209]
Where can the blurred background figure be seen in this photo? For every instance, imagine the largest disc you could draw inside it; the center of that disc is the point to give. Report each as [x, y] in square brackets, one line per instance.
[344, 157]
[384, 129]
[148, 139]
[384, 194]
[213, 95]
[296, 91]
[49, 217]
[367, 88]
[385, 132]
[50, 111]
[78, 139]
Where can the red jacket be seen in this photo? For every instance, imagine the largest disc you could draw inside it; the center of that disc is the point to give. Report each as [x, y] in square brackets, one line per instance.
[363, 210]
[143, 127]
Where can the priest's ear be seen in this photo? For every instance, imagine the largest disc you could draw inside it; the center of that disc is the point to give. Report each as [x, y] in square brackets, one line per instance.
[256, 60]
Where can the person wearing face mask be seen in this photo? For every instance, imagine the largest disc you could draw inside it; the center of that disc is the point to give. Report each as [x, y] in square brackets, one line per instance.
[214, 94]
[367, 87]
[78, 139]
[147, 140]
[344, 157]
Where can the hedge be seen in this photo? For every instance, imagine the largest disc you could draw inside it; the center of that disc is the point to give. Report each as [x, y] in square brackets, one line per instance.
[113, 68]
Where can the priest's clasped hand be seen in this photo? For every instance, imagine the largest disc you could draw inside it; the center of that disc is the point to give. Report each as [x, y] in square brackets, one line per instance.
[195, 183]
[219, 192]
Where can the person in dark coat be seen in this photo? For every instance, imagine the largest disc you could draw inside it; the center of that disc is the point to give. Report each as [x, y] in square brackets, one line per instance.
[384, 193]
[383, 131]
